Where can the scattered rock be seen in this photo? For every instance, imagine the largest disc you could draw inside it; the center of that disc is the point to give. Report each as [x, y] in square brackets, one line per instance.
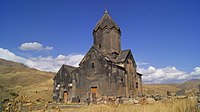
[1, 87]
[120, 100]
[39, 100]
[5, 101]
[46, 105]
[135, 101]
[27, 104]
[14, 94]
[198, 100]
[142, 101]
[150, 100]
[50, 101]
[182, 97]
[101, 101]
[128, 101]
[112, 100]
[157, 97]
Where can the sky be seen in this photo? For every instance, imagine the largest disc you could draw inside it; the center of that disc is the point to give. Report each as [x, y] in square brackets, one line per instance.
[163, 35]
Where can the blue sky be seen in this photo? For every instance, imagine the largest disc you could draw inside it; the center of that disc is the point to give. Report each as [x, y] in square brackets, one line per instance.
[162, 34]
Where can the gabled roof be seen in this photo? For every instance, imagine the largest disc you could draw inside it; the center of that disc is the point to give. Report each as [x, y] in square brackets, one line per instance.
[98, 50]
[67, 68]
[123, 55]
[106, 21]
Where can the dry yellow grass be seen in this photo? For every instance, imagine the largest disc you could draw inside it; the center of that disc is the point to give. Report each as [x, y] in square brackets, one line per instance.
[160, 89]
[17, 78]
[42, 90]
[173, 105]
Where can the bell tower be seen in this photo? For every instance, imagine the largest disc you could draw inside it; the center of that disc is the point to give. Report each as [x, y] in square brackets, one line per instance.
[107, 35]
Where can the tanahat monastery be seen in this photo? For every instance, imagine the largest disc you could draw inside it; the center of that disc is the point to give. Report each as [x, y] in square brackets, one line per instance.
[105, 71]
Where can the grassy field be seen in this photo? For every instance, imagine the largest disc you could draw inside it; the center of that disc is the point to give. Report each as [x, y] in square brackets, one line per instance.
[173, 105]
[160, 89]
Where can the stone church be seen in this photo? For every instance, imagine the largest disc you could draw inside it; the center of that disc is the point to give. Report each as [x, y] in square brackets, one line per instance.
[106, 70]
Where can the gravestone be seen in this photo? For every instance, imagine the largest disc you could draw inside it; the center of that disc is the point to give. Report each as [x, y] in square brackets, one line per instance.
[180, 92]
[169, 93]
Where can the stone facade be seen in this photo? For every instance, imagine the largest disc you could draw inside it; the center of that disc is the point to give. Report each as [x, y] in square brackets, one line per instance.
[105, 71]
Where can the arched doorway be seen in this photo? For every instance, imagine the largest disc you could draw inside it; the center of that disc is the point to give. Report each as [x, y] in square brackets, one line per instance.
[94, 92]
[65, 96]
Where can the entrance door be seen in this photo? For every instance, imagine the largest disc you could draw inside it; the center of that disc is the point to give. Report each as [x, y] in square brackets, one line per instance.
[65, 96]
[94, 92]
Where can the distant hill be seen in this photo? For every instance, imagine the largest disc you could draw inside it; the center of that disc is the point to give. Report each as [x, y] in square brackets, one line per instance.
[10, 67]
[189, 86]
[20, 79]
[160, 89]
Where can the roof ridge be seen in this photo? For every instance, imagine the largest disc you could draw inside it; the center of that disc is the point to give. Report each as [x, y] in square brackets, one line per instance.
[69, 66]
[123, 55]
[104, 54]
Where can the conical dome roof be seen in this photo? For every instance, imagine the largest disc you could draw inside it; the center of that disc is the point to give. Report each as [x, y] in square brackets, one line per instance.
[106, 21]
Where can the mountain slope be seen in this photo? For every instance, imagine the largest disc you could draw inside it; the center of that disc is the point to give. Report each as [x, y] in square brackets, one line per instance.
[20, 79]
[160, 89]
[190, 85]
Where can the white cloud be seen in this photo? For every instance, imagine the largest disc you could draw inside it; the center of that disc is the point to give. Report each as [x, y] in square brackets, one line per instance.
[48, 63]
[167, 74]
[6, 54]
[34, 46]
[53, 64]
[196, 72]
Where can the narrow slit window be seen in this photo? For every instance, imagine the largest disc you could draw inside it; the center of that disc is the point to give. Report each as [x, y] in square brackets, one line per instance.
[93, 65]
[136, 84]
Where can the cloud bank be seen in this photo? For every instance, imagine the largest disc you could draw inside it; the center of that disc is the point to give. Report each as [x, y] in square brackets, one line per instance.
[167, 74]
[48, 63]
[34, 46]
